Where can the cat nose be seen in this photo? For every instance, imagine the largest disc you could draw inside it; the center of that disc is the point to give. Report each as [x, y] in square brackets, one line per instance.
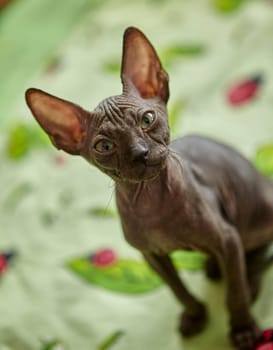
[140, 152]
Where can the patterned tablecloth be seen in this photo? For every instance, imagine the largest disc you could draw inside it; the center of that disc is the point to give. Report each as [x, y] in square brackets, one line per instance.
[74, 283]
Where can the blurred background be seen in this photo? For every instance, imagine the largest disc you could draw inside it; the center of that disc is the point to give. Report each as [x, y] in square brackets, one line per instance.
[68, 279]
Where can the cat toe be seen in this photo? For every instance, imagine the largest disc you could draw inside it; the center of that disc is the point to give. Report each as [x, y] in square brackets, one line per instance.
[191, 324]
[245, 338]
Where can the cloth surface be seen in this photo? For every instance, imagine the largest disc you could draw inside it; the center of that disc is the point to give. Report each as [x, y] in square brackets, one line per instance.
[57, 211]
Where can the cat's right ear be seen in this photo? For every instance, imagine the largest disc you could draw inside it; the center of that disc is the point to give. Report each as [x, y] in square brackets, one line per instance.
[63, 121]
[141, 67]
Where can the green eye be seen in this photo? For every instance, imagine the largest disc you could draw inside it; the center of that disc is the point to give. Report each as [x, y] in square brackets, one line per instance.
[147, 120]
[104, 146]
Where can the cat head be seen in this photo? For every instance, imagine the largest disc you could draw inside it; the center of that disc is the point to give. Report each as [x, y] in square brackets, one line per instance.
[126, 136]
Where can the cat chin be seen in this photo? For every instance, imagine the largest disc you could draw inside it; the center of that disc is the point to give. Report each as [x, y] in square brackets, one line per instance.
[140, 180]
[150, 173]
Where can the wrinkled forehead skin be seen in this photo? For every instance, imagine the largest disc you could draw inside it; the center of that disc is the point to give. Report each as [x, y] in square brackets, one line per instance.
[119, 115]
[115, 108]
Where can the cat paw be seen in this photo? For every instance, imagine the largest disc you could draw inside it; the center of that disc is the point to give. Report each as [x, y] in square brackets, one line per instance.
[245, 338]
[191, 324]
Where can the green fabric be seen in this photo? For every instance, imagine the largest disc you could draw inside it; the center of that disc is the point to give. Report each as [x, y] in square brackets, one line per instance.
[30, 34]
[56, 209]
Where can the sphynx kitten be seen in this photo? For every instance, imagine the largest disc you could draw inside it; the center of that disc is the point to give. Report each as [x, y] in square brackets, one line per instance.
[192, 193]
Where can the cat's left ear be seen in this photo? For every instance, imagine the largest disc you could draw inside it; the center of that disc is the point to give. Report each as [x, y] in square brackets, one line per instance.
[63, 121]
[142, 68]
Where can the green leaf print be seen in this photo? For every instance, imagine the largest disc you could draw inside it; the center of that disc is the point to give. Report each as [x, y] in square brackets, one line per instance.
[124, 276]
[264, 159]
[22, 138]
[227, 6]
[110, 340]
[130, 276]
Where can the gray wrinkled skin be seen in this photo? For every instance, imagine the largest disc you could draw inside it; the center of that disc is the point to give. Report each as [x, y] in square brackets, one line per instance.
[118, 118]
[194, 193]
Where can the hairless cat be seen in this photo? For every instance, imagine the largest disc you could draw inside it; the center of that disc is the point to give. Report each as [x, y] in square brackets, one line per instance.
[192, 193]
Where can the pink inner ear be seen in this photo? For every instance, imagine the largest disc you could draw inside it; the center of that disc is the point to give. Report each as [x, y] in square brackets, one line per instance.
[57, 118]
[141, 66]
[62, 120]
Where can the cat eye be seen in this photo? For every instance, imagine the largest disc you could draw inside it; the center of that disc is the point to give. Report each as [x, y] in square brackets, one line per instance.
[147, 120]
[104, 146]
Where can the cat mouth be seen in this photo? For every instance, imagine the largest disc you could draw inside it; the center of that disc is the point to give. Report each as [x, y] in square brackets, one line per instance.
[153, 164]
[156, 167]
[142, 172]
[151, 174]
[147, 172]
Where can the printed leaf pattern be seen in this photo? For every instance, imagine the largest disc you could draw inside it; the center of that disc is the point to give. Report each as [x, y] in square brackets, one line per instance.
[264, 159]
[112, 66]
[175, 114]
[102, 212]
[22, 138]
[130, 276]
[168, 56]
[227, 6]
[178, 51]
[125, 276]
[187, 260]
[110, 340]
[20, 63]
[16, 195]
[53, 345]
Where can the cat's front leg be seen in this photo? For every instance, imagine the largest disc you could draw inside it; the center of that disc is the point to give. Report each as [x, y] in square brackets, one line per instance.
[194, 317]
[231, 258]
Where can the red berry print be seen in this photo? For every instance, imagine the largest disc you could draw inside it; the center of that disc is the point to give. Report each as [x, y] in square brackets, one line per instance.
[5, 259]
[268, 346]
[104, 258]
[3, 264]
[268, 334]
[244, 91]
[59, 159]
[266, 340]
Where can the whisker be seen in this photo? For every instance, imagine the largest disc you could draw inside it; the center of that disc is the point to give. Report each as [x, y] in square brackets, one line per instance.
[109, 202]
[174, 152]
[111, 183]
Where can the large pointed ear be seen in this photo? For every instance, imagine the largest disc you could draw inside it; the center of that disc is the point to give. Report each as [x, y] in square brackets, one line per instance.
[63, 121]
[141, 66]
